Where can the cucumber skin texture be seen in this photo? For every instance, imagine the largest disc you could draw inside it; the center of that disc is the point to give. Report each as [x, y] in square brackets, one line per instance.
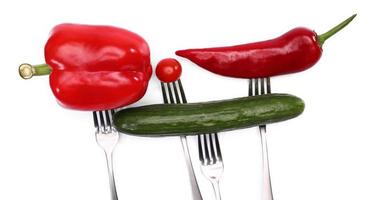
[207, 117]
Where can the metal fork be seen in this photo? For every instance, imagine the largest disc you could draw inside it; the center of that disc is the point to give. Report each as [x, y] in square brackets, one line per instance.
[107, 138]
[168, 95]
[211, 160]
[262, 86]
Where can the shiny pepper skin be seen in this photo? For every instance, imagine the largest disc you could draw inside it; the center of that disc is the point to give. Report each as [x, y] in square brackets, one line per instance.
[97, 67]
[295, 51]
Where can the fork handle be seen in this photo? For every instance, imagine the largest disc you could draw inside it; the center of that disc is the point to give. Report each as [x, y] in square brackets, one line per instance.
[267, 193]
[112, 183]
[216, 188]
[196, 194]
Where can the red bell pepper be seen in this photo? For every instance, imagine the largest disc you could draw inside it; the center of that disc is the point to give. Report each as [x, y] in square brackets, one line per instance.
[295, 51]
[96, 67]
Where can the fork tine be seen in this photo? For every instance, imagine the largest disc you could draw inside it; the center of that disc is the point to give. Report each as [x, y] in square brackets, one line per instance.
[206, 149]
[218, 148]
[262, 86]
[101, 120]
[268, 87]
[107, 118]
[164, 95]
[171, 98]
[199, 141]
[111, 114]
[96, 123]
[256, 86]
[184, 100]
[212, 149]
[176, 93]
[250, 88]
[262, 92]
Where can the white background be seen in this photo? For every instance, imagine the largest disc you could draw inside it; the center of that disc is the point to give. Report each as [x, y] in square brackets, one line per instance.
[47, 152]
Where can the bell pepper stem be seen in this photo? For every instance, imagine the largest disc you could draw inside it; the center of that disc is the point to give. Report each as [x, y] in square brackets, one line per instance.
[27, 71]
[323, 37]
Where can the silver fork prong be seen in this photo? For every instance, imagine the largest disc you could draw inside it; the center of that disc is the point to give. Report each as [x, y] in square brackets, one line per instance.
[173, 94]
[108, 120]
[268, 88]
[164, 95]
[201, 142]
[212, 149]
[207, 155]
[218, 148]
[101, 120]
[176, 93]
[107, 117]
[171, 98]
[262, 128]
[250, 87]
[201, 155]
[262, 91]
[96, 122]
[263, 87]
[256, 87]
[111, 114]
[184, 99]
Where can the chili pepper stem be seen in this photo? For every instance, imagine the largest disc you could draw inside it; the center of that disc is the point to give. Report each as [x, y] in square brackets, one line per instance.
[323, 37]
[27, 71]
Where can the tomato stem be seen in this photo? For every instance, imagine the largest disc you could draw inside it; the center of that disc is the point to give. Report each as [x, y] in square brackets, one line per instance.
[323, 37]
[27, 71]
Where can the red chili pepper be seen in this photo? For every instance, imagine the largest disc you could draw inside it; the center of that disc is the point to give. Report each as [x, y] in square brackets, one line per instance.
[295, 51]
[96, 67]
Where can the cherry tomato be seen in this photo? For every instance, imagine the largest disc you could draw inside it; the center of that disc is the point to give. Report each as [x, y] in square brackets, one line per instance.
[168, 70]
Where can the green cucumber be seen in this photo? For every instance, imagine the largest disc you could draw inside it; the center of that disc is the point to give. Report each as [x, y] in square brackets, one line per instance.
[207, 117]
